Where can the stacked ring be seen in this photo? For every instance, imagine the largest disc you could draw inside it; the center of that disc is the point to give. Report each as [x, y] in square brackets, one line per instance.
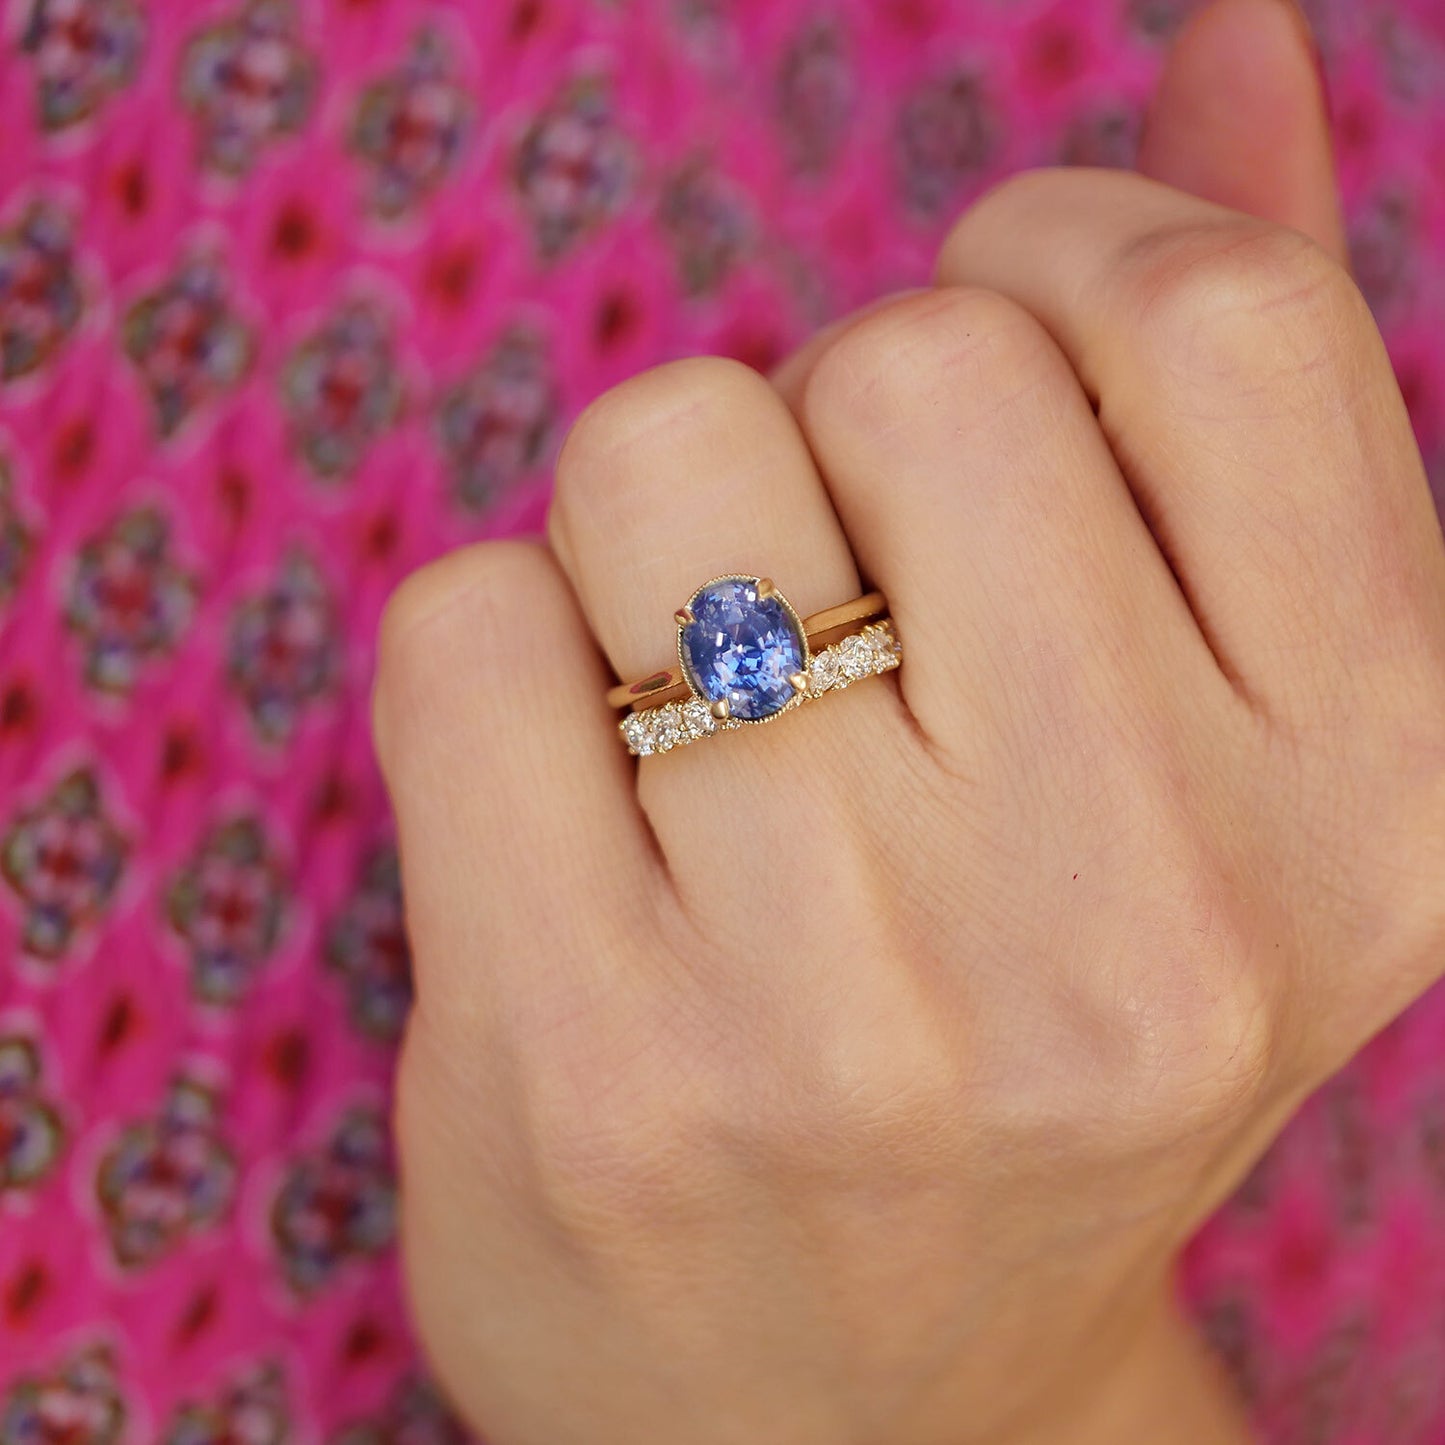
[746, 657]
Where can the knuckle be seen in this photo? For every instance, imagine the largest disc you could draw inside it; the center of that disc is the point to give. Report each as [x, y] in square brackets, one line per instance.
[417, 637]
[1240, 299]
[430, 599]
[959, 346]
[1201, 1046]
[885, 1106]
[860, 1095]
[613, 1162]
[1191, 1023]
[1024, 193]
[643, 412]
[871, 1086]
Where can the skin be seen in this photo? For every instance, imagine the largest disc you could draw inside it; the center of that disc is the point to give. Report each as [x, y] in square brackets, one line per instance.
[858, 1079]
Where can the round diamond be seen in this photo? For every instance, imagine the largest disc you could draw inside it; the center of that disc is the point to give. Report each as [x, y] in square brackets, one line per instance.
[697, 721]
[667, 727]
[855, 658]
[823, 674]
[884, 645]
[741, 648]
[638, 733]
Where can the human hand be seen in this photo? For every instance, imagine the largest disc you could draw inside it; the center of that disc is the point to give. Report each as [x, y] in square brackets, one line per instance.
[857, 1078]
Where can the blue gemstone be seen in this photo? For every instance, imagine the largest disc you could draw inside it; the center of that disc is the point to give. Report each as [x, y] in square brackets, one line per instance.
[742, 647]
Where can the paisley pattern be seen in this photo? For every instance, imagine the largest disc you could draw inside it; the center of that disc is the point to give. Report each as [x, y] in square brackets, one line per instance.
[185, 341]
[367, 947]
[337, 1203]
[63, 860]
[341, 389]
[78, 1403]
[248, 81]
[249, 1411]
[82, 55]
[410, 126]
[281, 652]
[31, 1131]
[227, 905]
[296, 294]
[16, 537]
[165, 1179]
[128, 602]
[40, 293]
[495, 424]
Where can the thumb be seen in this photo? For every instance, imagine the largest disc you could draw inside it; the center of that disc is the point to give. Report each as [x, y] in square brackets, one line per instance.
[1240, 118]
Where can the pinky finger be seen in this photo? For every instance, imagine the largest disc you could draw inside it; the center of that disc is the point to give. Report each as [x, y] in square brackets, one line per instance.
[515, 801]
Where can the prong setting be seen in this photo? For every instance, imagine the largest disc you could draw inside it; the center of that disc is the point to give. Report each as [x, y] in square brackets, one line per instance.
[684, 617]
[720, 709]
[799, 681]
[743, 644]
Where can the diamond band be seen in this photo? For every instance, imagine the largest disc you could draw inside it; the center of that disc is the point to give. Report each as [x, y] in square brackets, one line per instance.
[873, 650]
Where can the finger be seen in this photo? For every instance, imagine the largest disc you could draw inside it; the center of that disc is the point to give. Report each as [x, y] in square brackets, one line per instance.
[790, 375]
[515, 808]
[1245, 391]
[688, 472]
[1240, 119]
[967, 466]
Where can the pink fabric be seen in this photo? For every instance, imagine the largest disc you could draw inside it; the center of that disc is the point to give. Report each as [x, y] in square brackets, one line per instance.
[294, 297]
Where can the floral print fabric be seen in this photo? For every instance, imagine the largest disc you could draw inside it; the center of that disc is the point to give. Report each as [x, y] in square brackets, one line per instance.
[296, 294]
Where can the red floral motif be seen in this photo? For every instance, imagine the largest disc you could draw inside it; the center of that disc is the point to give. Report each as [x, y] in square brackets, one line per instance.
[228, 905]
[128, 602]
[31, 1134]
[282, 653]
[410, 126]
[342, 389]
[947, 134]
[78, 1404]
[337, 1205]
[63, 859]
[186, 341]
[40, 297]
[706, 222]
[248, 81]
[496, 424]
[817, 88]
[250, 1411]
[367, 946]
[166, 1178]
[83, 51]
[415, 1415]
[573, 168]
[17, 539]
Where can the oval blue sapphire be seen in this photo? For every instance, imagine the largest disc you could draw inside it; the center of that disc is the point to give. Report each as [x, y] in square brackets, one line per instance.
[742, 648]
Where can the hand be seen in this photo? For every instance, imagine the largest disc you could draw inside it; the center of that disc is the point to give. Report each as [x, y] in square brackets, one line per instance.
[858, 1077]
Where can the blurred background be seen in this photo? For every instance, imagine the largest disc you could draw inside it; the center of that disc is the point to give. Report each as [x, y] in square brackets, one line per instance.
[294, 296]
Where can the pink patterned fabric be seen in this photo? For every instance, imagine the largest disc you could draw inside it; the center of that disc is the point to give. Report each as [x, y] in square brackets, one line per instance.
[294, 296]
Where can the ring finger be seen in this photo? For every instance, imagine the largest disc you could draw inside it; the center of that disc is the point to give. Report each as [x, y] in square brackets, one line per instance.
[691, 471]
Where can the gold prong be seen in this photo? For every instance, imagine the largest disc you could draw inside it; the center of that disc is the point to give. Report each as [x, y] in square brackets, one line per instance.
[720, 709]
[684, 617]
[799, 681]
[765, 587]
